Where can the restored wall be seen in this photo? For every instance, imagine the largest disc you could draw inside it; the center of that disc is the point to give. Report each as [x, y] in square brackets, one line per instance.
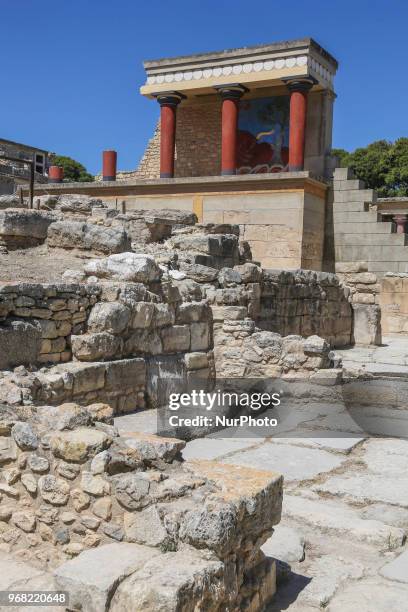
[198, 137]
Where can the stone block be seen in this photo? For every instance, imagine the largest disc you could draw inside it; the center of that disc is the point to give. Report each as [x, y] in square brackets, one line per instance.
[133, 267]
[111, 317]
[20, 344]
[366, 324]
[200, 336]
[87, 237]
[125, 374]
[91, 578]
[95, 347]
[176, 339]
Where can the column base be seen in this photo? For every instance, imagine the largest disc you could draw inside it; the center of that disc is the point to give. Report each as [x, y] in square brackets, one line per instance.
[166, 175]
[109, 178]
[228, 172]
[54, 181]
[296, 168]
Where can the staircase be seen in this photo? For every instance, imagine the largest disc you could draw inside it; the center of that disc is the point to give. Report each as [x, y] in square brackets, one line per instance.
[355, 231]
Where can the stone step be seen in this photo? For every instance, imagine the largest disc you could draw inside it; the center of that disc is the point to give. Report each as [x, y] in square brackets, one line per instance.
[371, 253]
[365, 216]
[355, 195]
[374, 227]
[341, 520]
[367, 239]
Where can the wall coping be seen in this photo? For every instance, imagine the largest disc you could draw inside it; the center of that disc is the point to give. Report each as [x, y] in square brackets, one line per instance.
[198, 184]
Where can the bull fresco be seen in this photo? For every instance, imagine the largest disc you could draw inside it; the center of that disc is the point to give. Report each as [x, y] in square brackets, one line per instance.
[263, 135]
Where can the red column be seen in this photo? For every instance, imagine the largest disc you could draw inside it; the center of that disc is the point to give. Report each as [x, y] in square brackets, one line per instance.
[109, 159]
[55, 174]
[297, 122]
[168, 108]
[229, 127]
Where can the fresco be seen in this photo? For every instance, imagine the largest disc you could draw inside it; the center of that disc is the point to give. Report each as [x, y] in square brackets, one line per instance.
[263, 135]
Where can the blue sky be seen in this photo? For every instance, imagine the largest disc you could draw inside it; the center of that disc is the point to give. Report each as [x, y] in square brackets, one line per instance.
[71, 69]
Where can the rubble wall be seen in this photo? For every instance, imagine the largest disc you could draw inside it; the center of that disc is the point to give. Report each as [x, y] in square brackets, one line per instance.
[73, 486]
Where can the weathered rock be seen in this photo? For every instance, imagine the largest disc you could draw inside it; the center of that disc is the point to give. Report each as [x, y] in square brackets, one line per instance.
[53, 490]
[8, 450]
[92, 578]
[145, 527]
[153, 448]
[29, 483]
[176, 338]
[24, 520]
[95, 347]
[126, 267]
[24, 228]
[65, 416]
[94, 485]
[78, 204]
[38, 464]
[198, 272]
[228, 277]
[87, 237]
[80, 500]
[179, 581]
[103, 508]
[250, 273]
[24, 436]
[20, 343]
[142, 315]
[111, 317]
[132, 490]
[80, 444]
[101, 412]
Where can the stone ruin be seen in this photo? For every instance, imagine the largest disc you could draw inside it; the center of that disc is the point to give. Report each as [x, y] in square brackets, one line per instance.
[149, 297]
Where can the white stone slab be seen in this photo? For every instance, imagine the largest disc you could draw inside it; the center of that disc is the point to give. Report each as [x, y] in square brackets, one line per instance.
[212, 448]
[294, 462]
[397, 569]
[328, 575]
[372, 595]
[91, 577]
[367, 488]
[145, 420]
[286, 544]
[338, 442]
[341, 520]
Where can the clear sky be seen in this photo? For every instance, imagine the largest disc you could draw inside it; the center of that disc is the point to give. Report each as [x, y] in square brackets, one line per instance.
[70, 70]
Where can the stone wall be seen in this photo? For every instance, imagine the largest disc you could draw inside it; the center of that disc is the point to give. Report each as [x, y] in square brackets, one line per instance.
[72, 486]
[305, 303]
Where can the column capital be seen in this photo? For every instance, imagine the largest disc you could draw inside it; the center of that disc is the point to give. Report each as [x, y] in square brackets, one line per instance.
[300, 84]
[169, 98]
[234, 91]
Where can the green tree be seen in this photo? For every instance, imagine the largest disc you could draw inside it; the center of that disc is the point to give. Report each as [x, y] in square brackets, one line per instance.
[382, 165]
[73, 170]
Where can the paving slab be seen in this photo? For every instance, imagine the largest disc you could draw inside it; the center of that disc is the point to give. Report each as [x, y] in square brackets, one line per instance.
[328, 575]
[145, 420]
[336, 442]
[397, 569]
[339, 519]
[294, 462]
[370, 595]
[367, 488]
[286, 544]
[212, 448]
[14, 571]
